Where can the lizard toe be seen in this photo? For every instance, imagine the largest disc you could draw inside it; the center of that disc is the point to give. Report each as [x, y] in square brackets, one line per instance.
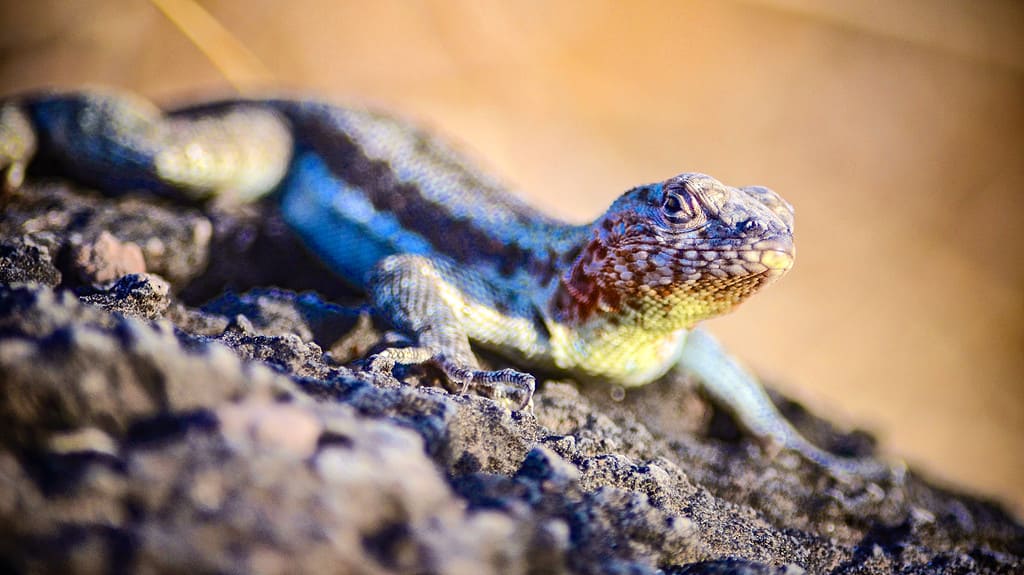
[506, 386]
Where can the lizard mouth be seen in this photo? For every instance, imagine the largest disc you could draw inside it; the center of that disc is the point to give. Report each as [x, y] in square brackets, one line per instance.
[777, 261]
[777, 254]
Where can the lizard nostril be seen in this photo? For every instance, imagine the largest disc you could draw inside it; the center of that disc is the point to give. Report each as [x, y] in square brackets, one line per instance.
[752, 226]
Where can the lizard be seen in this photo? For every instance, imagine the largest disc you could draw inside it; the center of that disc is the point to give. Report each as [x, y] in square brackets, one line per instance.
[445, 252]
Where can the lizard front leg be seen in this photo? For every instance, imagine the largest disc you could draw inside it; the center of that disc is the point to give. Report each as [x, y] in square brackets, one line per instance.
[733, 387]
[422, 297]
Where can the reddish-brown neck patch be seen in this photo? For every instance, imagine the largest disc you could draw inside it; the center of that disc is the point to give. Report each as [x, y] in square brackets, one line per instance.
[581, 292]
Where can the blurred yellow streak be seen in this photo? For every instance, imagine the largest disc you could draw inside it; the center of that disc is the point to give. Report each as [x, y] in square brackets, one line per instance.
[243, 69]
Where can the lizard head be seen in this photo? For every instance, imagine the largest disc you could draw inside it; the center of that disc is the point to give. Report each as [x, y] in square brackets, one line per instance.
[667, 255]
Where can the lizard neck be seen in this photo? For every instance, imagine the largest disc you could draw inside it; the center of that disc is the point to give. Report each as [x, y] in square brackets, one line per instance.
[608, 286]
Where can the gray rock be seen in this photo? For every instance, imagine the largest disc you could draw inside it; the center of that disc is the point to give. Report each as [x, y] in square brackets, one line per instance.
[23, 260]
[139, 433]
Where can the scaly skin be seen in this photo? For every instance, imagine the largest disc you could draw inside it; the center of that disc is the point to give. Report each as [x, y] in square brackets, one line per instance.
[445, 253]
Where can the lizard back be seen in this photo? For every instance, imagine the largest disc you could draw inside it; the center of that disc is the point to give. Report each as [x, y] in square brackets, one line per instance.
[363, 185]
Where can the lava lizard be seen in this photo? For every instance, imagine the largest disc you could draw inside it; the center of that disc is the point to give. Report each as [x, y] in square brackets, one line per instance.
[444, 252]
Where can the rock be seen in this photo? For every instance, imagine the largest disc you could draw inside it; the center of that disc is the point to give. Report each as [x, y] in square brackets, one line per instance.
[144, 296]
[139, 433]
[106, 259]
[273, 312]
[174, 241]
[23, 260]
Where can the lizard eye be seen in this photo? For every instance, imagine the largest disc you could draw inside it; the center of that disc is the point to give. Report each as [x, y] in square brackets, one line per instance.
[673, 205]
[679, 211]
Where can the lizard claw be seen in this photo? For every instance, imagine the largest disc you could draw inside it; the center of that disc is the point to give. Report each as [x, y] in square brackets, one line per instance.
[504, 385]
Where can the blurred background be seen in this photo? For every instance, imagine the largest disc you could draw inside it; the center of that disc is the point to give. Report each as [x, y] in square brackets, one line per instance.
[896, 129]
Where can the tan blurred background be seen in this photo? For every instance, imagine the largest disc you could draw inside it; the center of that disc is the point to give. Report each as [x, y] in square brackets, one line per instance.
[896, 129]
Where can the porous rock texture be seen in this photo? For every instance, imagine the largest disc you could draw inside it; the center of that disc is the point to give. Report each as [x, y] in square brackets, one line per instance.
[154, 420]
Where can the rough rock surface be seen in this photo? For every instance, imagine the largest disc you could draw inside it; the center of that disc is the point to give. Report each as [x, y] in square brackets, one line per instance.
[140, 432]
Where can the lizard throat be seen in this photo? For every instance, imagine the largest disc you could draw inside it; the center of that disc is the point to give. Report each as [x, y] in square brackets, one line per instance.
[662, 291]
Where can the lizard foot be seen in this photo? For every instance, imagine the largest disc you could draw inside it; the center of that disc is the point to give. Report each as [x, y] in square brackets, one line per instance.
[846, 470]
[504, 385]
[17, 145]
